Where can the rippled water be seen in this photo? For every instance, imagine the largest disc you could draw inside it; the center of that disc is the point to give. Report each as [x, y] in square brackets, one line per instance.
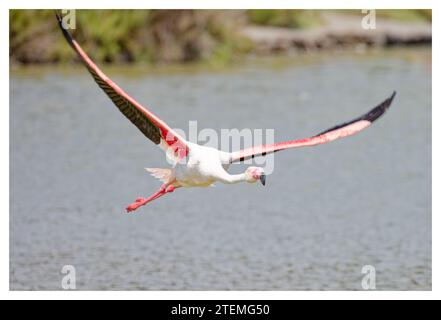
[75, 163]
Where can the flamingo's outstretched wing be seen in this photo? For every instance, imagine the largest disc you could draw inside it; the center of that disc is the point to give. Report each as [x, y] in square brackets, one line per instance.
[334, 133]
[150, 125]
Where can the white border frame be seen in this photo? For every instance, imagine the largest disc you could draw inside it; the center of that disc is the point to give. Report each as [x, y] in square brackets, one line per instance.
[200, 4]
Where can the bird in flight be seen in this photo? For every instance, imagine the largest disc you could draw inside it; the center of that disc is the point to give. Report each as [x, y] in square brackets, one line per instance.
[202, 166]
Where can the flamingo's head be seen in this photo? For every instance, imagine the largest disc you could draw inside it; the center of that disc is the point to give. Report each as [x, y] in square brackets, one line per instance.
[254, 174]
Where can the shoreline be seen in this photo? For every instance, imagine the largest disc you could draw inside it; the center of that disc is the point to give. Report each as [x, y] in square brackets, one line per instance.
[417, 54]
[339, 31]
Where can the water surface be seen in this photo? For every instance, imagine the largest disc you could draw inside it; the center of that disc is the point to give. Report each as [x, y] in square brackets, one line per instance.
[76, 162]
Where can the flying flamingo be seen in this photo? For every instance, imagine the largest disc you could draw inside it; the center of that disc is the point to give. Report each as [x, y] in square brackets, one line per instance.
[203, 166]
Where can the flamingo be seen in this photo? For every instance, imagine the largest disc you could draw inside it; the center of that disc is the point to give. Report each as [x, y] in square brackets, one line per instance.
[203, 166]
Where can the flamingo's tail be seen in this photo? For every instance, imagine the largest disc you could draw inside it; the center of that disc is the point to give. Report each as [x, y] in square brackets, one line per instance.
[163, 175]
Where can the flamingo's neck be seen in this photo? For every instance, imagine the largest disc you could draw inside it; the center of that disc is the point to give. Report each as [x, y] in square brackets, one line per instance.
[235, 178]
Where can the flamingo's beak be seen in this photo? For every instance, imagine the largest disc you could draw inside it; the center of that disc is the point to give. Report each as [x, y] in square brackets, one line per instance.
[263, 179]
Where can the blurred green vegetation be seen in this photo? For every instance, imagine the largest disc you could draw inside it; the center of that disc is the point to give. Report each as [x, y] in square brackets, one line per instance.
[157, 36]
[402, 15]
[286, 18]
[150, 36]
[409, 15]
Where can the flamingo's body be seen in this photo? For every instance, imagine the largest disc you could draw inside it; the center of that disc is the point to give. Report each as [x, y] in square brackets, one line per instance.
[203, 166]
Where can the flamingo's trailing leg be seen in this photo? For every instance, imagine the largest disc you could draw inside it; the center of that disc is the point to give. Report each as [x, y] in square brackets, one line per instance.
[139, 202]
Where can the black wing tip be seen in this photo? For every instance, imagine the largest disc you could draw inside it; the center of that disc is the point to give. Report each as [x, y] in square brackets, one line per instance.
[393, 95]
[371, 116]
[379, 110]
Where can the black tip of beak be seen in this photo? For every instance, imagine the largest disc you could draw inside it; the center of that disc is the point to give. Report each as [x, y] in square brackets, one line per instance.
[263, 179]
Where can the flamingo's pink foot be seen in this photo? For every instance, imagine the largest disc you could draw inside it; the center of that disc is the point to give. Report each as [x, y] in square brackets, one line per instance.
[138, 203]
[143, 201]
